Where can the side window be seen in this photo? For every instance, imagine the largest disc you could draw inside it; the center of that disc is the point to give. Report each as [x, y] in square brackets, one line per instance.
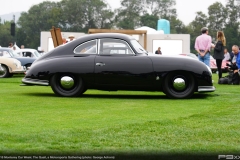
[5, 54]
[114, 46]
[88, 47]
[19, 53]
[27, 54]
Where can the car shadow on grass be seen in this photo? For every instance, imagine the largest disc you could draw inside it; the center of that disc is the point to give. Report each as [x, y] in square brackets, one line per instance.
[128, 96]
[121, 96]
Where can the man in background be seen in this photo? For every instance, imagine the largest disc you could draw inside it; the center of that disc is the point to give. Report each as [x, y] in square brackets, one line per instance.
[64, 40]
[203, 46]
[158, 51]
[71, 38]
[236, 52]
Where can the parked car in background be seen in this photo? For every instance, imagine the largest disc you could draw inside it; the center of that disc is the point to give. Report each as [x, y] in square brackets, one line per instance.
[8, 52]
[73, 68]
[28, 52]
[10, 66]
[213, 65]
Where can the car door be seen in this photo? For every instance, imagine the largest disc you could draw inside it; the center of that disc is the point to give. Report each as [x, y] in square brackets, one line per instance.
[115, 67]
[83, 60]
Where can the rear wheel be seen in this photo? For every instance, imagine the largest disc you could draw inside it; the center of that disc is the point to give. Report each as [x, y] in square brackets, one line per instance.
[179, 85]
[67, 85]
[4, 73]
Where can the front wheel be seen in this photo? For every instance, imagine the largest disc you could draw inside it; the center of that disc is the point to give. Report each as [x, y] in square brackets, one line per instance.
[4, 73]
[179, 85]
[67, 85]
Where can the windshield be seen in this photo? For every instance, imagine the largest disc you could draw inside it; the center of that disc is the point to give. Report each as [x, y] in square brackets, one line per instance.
[8, 53]
[37, 54]
[138, 47]
[13, 54]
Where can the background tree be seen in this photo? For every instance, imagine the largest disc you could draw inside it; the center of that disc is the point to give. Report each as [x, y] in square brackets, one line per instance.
[217, 18]
[39, 18]
[69, 15]
[5, 36]
[80, 15]
[149, 20]
[232, 26]
[129, 14]
[164, 9]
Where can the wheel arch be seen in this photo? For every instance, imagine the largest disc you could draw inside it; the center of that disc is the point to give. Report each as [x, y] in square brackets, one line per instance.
[180, 72]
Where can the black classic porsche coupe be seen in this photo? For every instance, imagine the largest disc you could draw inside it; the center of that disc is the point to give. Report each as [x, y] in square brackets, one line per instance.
[111, 62]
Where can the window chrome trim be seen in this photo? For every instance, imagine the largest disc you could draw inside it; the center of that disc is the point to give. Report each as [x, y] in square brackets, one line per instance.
[98, 46]
[130, 48]
[74, 51]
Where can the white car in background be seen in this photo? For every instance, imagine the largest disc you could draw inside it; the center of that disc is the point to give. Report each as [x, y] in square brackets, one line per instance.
[10, 66]
[28, 52]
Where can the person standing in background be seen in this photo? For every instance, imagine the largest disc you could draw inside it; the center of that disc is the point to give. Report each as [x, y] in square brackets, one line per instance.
[64, 40]
[203, 44]
[158, 51]
[236, 59]
[71, 37]
[219, 51]
[10, 45]
[227, 55]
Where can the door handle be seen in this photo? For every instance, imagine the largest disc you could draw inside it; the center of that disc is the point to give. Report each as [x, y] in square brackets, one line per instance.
[100, 64]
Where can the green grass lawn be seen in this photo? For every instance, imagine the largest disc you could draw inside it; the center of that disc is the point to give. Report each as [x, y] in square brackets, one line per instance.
[34, 120]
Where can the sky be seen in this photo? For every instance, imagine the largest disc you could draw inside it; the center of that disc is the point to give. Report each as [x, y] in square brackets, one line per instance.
[186, 9]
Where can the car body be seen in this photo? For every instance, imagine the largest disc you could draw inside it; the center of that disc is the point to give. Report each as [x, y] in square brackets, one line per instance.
[73, 68]
[10, 66]
[8, 52]
[28, 52]
[192, 55]
[213, 65]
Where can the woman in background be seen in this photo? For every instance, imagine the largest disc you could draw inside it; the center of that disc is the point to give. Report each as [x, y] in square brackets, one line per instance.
[219, 51]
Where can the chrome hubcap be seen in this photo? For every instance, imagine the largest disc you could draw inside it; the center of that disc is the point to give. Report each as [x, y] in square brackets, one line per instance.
[179, 84]
[3, 71]
[67, 82]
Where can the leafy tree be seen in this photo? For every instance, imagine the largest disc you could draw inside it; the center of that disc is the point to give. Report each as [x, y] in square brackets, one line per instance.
[232, 24]
[164, 9]
[128, 15]
[69, 15]
[39, 18]
[80, 15]
[5, 36]
[149, 20]
[177, 26]
[217, 18]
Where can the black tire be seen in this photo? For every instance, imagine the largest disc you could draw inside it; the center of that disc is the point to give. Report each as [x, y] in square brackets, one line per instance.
[179, 85]
[5, 72]
[66, 88]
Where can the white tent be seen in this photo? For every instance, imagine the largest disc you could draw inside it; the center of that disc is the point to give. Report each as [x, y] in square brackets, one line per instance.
[150, 30]
[15, 45]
